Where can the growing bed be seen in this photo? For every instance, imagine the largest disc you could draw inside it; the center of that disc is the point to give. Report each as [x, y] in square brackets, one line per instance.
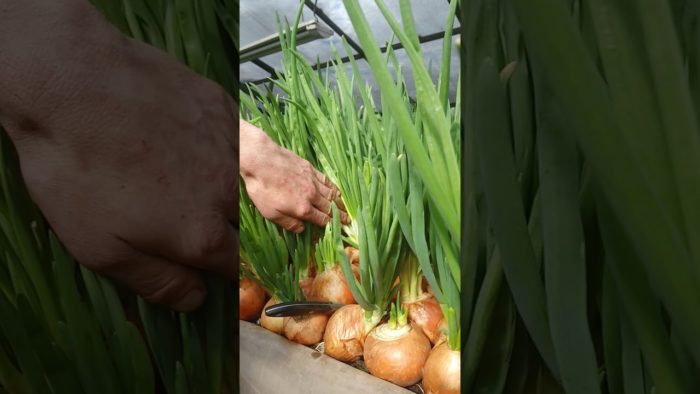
[272, 364]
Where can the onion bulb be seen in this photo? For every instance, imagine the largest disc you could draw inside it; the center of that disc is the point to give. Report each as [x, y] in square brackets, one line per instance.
[330, 285]
[306, 329]
[251, 300]
[274, 324]
[425, 313]
[441, 371]
[397, 354]
[345, 333]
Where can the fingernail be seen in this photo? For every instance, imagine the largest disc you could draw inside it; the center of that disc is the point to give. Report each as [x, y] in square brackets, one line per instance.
[191, 300]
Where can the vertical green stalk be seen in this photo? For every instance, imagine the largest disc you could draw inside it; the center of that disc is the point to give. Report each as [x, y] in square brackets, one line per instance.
[564, 259]
[506, 212]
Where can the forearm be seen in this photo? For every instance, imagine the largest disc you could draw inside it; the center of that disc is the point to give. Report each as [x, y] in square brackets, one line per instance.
[47, 52]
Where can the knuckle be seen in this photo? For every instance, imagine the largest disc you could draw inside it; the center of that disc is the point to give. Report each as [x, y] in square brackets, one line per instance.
[269, 212]
[272, 215]
[306, 165]
[307, 169]
[308, 190]
[304, 210]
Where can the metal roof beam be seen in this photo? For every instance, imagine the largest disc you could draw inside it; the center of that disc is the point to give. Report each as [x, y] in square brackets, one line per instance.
[270, 70]
[318, 11]
[346, 59]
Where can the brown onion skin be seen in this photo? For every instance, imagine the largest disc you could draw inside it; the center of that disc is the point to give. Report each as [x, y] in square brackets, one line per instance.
[251, 300]
[312, 266]
[274, 324]
[441, 372]
[400, 360]
[330, 285]
[306, 286]
[353, 255]
[306, 329]
[345, 334]
[441, 330]
[425, 313]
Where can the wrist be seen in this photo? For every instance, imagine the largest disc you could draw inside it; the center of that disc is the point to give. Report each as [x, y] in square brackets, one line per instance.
[255, 147]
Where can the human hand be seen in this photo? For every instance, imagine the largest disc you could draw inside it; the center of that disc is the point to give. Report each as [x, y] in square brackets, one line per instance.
[130, 155]
[285, 188]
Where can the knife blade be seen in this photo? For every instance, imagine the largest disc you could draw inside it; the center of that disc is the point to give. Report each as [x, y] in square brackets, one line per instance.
[296, 308]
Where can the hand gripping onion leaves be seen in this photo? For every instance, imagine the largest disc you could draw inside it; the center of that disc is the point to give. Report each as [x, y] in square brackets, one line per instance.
[279, 125]
[334, 126]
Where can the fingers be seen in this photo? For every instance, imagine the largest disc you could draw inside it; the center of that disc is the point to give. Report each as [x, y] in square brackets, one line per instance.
[344, 218]
[310, 200]
[312, 214]
[339, 203]
[160, 281]
[330, 193]
[322, 203]
[326, 185]
[290, 224]
[321, 177]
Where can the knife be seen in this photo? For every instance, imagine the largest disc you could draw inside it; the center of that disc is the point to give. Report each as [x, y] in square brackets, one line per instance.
[297, 308]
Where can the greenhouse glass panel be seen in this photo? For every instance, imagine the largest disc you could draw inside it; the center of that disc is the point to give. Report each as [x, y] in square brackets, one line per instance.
[251, 72]
[257, 18]
[430, 17]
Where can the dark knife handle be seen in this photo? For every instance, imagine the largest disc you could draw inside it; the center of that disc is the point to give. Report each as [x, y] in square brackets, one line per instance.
[297, 308]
